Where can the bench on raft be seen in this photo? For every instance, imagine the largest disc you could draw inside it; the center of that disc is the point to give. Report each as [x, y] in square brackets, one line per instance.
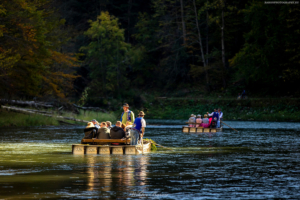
[123, 148]
[95, 141]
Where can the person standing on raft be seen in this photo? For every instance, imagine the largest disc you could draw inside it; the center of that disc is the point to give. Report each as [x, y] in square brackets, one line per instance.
[214, 115]
[139, 129]
[127, 115]
[140, 124]
[220, 117]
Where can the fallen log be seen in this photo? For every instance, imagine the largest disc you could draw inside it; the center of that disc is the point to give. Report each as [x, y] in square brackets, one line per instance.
[90, 108]
[29, 111]
[25, 103]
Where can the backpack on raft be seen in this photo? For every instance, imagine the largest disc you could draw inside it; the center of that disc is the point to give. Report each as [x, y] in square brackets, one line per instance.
[213, 124]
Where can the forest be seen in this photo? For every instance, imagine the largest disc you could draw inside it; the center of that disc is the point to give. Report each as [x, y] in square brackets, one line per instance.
[98, 52]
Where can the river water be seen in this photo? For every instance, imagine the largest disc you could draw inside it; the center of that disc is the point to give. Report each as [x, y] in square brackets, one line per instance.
[260, 161]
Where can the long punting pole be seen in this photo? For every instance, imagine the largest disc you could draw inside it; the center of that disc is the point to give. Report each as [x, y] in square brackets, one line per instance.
[163, 146]
[229, 126]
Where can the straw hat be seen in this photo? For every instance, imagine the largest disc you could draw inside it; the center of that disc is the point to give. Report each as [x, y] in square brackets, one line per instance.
[192, 115]
[90, 125]
[141, 113]
[126, 105]
[198, 115]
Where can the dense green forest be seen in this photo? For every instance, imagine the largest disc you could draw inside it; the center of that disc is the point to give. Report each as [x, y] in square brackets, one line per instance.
[101, 52]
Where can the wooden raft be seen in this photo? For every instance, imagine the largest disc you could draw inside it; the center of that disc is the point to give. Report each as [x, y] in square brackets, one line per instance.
[126, 141]
[187, 129]
[81, 149]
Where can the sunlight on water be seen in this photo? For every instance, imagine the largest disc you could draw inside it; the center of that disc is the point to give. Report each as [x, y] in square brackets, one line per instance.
[253, 163]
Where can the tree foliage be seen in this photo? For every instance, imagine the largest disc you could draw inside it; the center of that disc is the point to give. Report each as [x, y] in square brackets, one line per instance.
[107, 56]
[160, 46]
[31, 61]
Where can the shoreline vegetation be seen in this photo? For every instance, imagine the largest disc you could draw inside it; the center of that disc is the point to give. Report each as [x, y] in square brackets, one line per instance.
[254, 109]
[14, 119]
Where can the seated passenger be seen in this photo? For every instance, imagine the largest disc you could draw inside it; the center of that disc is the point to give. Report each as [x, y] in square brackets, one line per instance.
[90, 131]
[108, 125]
[103, 132]
[128, 126]
[205, 121]
[192, 119]
[198, 121]
[96, 124]
[213, 123]
[117, 132]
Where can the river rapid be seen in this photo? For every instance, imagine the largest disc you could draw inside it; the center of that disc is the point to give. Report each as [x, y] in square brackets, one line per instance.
[260, 161]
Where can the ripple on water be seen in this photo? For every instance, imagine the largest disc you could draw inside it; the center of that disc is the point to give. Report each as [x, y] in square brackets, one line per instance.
[261, 161]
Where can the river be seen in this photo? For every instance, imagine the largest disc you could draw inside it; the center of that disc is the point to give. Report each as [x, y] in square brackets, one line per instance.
[260, 161]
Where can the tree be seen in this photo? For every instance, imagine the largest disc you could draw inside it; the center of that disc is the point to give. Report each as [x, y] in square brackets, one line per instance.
[265, 55]
[106, 56]
[31, 63]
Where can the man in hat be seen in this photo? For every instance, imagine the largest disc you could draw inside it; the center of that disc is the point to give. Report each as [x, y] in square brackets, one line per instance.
[140, 124]
[127, 115]
[96, 124]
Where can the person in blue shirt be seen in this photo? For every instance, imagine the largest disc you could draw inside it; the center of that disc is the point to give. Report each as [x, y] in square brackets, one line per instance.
[214, 115]
[138, 131]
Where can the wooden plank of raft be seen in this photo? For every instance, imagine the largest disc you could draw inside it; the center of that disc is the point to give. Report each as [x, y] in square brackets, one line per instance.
[106, 140]
[104, 150]
[200, 130]
[185, 129]
[192, 130]
[206, 130]
[91, 150]
[78, 149]
[130, 150]
[117, 150]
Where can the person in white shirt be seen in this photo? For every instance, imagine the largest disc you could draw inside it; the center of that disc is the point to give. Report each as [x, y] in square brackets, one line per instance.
[192, 119]
[220, 117]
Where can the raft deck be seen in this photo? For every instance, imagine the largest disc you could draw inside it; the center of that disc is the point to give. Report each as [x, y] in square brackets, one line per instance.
[187, 129]
[81, 149]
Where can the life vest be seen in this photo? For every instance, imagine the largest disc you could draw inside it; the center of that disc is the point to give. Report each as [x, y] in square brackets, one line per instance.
[128, 116]
[138, 124]
[216, 114]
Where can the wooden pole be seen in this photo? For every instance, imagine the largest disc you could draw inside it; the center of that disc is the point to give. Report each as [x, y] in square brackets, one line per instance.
[163, 146]
[142, 144]
[228, 126]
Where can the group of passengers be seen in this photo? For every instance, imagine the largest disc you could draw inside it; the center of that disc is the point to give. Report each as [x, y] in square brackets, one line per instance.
[210, 120]
[127, 127]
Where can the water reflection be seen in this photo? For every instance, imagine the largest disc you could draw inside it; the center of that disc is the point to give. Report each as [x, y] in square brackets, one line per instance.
[115, 172]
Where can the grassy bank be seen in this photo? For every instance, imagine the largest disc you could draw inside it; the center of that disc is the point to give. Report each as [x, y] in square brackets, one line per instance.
[90, 115]
[22, 120]
[258, 109]
[18, 119]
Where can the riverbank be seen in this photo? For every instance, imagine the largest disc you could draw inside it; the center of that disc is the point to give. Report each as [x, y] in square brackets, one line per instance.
[13, 119]
[256, 109]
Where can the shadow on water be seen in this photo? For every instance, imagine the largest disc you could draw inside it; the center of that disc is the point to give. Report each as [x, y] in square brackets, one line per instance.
[254, 163]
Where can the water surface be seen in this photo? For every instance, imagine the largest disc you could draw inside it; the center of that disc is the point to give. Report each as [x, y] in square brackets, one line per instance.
[260, 161]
